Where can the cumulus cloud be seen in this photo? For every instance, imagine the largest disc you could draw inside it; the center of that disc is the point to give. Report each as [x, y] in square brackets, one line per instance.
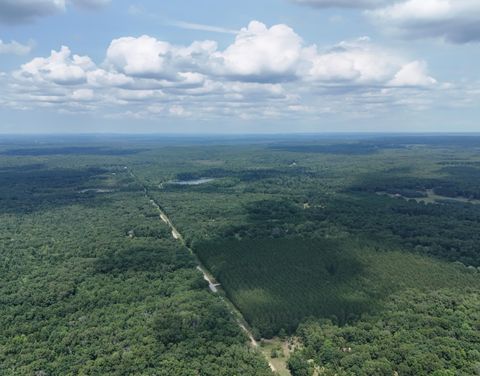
[357, 61]
[102, 78]
[17, 11]
[413, 74]
[141, 57]
[147, 57]
[264, 72]
[456, 21]
[263, 54]
[60, 68]
[14, 48]
[259, 54]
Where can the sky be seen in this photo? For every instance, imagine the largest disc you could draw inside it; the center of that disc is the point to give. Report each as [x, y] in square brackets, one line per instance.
[225, 66]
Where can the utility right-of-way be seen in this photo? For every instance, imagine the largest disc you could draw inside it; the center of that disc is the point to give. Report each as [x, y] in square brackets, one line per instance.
[213, 285]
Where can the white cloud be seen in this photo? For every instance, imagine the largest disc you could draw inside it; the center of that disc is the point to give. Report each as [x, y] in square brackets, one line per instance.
[264, 72]
[59, 68]
[103, 78]
[147, 57]
[14, 48]
[456, 21]
[83, 95]
[258, 54]
[413, 74]
[139, 57]
[355, 62]
[263, 54]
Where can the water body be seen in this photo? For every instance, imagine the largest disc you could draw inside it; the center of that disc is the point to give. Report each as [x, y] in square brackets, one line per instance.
[96, 190]
[192, 182]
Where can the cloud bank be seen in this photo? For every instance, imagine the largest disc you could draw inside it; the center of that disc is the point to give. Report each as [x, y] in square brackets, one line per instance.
[265, 72]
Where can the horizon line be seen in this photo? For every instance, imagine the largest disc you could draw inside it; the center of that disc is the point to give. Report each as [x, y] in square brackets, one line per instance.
[235, 134]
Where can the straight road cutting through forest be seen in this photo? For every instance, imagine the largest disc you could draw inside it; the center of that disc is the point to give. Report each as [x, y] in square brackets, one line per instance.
[212, 284]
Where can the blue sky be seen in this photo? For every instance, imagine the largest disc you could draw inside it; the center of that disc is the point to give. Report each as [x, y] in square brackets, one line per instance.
[214, 66]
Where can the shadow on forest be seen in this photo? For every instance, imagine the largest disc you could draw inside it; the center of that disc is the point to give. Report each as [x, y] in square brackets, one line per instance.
[273, 210]
[342, 149]
[455, 181]
[24, 168]
[270, 218]
[33, 187]
[252, 174]
[377, 144]
[277, 283]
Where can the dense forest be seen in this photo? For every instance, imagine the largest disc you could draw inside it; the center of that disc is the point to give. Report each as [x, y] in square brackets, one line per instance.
[417, 334]
[91, 283]
[365, 252]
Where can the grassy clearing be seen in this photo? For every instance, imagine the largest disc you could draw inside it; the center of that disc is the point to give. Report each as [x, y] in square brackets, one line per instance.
[277, 351]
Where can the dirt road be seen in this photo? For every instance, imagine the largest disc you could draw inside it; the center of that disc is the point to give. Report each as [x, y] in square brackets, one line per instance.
[212, 284]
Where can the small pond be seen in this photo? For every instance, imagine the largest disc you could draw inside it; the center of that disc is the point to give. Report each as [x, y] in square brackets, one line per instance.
[192, 182]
